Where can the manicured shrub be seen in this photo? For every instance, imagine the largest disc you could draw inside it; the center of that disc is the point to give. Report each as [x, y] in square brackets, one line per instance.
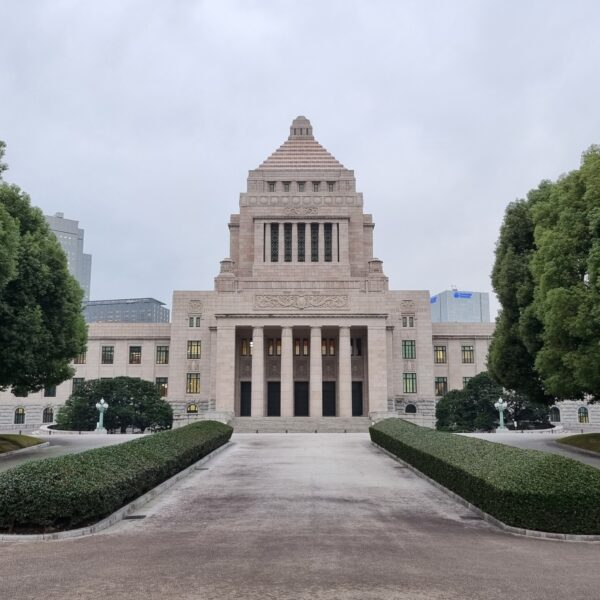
[79, 489]
[523, 488]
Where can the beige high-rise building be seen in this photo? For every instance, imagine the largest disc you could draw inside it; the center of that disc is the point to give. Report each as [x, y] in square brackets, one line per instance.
[301, 321]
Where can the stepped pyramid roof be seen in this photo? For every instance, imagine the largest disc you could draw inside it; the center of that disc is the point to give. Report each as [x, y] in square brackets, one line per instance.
[301, 151]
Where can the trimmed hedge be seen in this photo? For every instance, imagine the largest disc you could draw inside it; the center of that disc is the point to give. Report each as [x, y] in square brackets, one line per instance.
[79, 489]
[523, 488]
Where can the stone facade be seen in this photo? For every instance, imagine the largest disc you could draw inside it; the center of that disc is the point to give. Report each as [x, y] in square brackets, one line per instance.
[301, 321]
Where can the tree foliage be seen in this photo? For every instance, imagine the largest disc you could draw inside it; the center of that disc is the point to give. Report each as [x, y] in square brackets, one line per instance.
[41, 324]
[132, 402]
[547, 277]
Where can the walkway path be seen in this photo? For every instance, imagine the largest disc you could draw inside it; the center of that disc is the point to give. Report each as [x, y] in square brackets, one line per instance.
[301, 516]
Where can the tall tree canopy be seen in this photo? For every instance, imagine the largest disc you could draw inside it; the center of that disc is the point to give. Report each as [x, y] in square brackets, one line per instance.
[547, 277]
[41, 323]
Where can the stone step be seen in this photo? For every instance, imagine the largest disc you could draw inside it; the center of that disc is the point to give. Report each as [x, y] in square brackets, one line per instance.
[301, 424]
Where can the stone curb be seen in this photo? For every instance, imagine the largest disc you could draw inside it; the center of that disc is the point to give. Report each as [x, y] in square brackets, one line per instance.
[30, 448]
[578, 450]
[546, 535]
[117, 515]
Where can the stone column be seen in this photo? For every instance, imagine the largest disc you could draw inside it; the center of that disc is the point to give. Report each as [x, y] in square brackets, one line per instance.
[268, 243]
[258, 241]
[225, 367]
[377, 367]
[287, 372]
[258, 373]
[344, 373]
[334, 242]
[316, 374]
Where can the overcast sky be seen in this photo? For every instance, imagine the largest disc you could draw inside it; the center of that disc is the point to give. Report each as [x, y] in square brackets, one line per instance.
[141, 120]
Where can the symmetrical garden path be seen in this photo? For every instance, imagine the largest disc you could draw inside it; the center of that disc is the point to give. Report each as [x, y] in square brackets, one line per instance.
[302, 516]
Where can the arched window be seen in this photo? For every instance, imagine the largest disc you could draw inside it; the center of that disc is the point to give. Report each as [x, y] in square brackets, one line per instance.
[554, 415]
[19, 416]
[192, 408]
[48, 415]
[410, 409]
[583, 415]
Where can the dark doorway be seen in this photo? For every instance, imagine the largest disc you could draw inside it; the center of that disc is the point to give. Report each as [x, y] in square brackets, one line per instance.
[245, 398]
[301, 398]
[329, 398]
[357, 398]
[273, 399]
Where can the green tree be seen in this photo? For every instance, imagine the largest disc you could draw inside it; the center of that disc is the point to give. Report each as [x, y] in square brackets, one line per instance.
[41, 325]
[132, 402]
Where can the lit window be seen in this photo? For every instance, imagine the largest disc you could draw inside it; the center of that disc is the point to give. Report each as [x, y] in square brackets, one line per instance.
[194, 349]
[50, 392]
[409, 349]
[297, 347]
[305, 347]
[162, 385]
[108, 355]
[162, 355]
[439, 355]
[410, 383]
[468, 354]
[583, 415]
[48, 415]
[19, 416]
[441, 386]
[331, 347]
[245, 347]
[80, 359]
[193, 383]
[192, 409]
[135, 355]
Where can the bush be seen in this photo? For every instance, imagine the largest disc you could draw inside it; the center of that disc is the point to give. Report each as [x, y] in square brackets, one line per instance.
[79, 489]
[523, 488]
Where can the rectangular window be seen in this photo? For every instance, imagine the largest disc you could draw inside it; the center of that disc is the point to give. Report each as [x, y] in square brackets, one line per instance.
[197, 321]
[192, 383]
[466, 380]
[108, 355]
[274, 242]
[301, 186]
[410, 383]
[191, 321]
[162, 355]
[314, 242]
[193, 349]
[409, 349]
[301, 241]
[331, 186]
[315, 186]
[245, 347]
[441, 386]
[50, 392]
[328, 237]
[286, 186]
[356, 346]
[77, 383]
[323, 347]
[278, 346]
[468, 354]
[135, 355]
[305, 347]
[162, 385]
[408, 321]
[270, 347]
[331, 347]
[271, 186]
[297, 346]
[80, 359]
[439, 355]
[287, 242]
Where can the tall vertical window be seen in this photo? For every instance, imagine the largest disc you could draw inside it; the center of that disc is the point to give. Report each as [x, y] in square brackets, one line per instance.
[274, 242]
[162, 386]
[77, 383]
[287, 242]
[301, 186]
[356, 346]
[108, 355]
[80, 359]
[441, 386]
[245, 347]
[409, 349]
[19, 416]
[135, 355]
[323, 347]
[328, 236]
[409, 381]
[301, 241]
[50, 391]
[439, 355]
[314, 242]
[331, 186]
[305, 347]
[271, 186]
[192, 383]
[468, 354]
[162, 355]
[274, 347]
[193, 349]
[286, 186]
[48, 415]
[315, 186]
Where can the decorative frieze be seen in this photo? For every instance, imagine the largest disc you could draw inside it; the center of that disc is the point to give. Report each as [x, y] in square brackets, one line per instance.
[300, 301]
[301, 201]
[195, 306]
[301, 211]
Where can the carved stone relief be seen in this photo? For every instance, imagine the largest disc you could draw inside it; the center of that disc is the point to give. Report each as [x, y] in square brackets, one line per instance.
[301, 211]
[195, 306]
[300, 301]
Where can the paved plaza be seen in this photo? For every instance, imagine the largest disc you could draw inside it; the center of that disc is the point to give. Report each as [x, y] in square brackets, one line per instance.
[301, 516]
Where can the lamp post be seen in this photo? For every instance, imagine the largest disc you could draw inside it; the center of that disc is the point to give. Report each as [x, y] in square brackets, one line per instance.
[500, 406]
[102, 407]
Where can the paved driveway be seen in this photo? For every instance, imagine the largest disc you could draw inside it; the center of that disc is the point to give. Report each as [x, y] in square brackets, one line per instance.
[302, 516]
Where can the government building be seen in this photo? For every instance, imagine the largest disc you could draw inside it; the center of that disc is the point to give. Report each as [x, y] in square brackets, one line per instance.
[301, 321]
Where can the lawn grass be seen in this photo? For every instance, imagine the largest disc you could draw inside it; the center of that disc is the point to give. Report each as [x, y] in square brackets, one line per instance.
[586, 441]
[14, 441]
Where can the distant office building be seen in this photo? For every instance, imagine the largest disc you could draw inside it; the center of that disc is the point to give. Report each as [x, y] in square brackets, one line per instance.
[128, 310]
[457, 306]
[70, 237]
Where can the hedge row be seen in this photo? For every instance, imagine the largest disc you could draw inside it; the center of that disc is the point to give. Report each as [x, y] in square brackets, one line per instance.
[78, 489]
[523, 488]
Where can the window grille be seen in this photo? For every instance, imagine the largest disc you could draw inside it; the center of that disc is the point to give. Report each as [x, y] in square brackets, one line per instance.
[314, 242]
[301, 241]
[287, 242]
[328, 237]
[274, 242]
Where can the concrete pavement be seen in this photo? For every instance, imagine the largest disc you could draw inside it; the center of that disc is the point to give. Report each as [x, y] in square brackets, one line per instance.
[301, 516]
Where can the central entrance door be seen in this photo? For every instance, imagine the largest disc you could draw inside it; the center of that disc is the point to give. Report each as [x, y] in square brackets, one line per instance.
[273, 399]
[301, 398]
[357, 398]
[329, 398]
[245, 396]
